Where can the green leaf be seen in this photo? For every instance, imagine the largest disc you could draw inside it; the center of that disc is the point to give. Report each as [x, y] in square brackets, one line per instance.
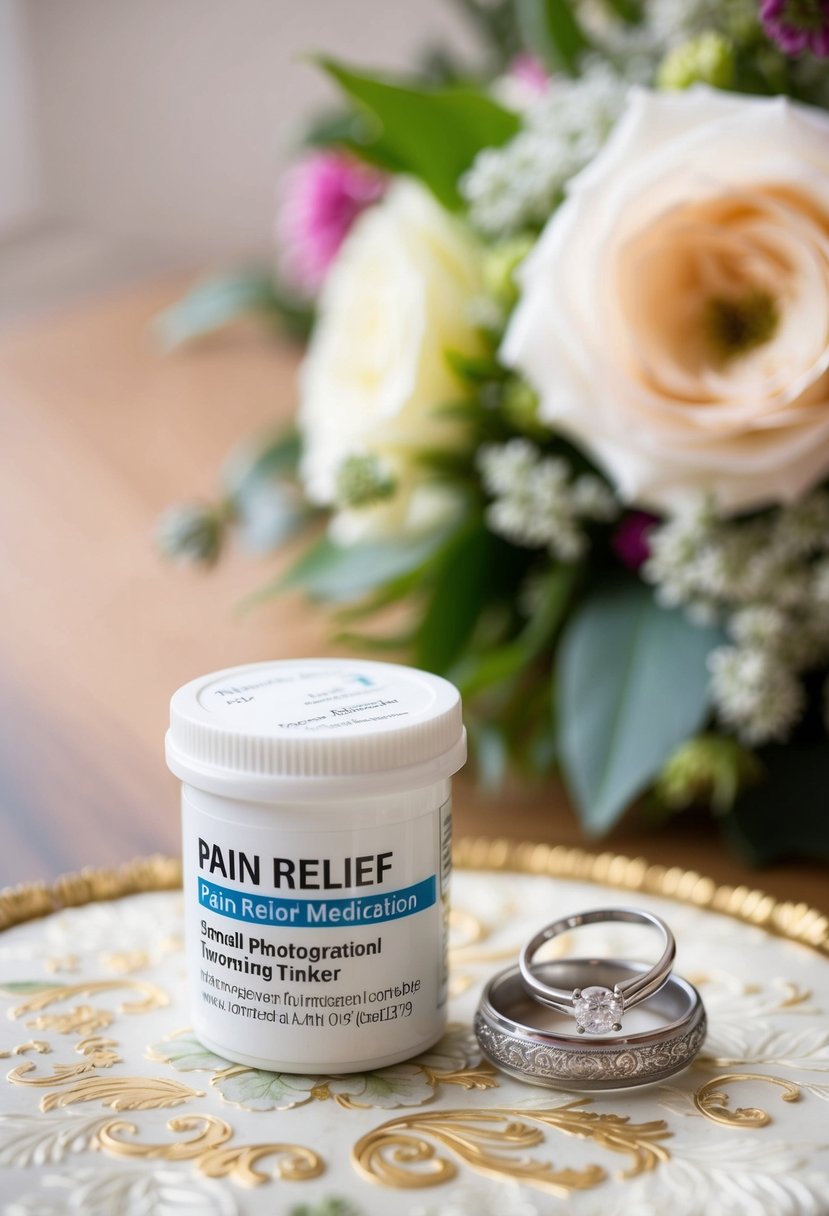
[432, 134]
[217, 301]
[374, 643]
[392, 592]
[269, 514]
[785, 815]
[270, 456]
[632, 684]
[185, 1053]
[26, 987]
[212, 304]
[491, 753]
[497, 666]
[494, 22]
[330, 572]
[386, 1088]
[332, 1205]
[456, 598]
[475, 369]
[629, 11]
[552, 30]
[256, 1089]
[266, 501]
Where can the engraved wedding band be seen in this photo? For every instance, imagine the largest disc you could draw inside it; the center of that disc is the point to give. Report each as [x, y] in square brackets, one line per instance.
[597, 1007]
[506, 1028]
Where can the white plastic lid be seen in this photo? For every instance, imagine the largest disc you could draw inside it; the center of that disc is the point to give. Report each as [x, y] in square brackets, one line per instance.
[299, 728]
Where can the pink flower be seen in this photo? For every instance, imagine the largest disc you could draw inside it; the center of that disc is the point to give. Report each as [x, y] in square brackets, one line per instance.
[323, 195]
[522, 84]
[630, 540]
[529, 72]
[797, 25]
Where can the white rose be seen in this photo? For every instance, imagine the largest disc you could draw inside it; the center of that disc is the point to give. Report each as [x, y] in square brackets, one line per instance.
[675, 311]
[376, 373]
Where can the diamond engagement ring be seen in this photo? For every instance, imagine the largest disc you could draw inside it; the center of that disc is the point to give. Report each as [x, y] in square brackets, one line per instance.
[596, 1008]
[522, 1038]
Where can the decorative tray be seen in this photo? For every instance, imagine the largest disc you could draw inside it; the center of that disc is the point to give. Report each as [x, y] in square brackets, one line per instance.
[110, 1105]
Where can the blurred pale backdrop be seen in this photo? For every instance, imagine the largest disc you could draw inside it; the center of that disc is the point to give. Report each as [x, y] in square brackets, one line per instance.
[139, 135]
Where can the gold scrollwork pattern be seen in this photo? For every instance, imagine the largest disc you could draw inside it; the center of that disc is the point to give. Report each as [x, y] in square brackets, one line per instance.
[62, 962]
[83, 1019]
[403, 1152]
[482, 1076]
[711, 1100]
[61, 1074]
[123, 1093]
[152, 996]
[210, 1152]
[113, 1138]
[39, 1046]
[124, 962]
[294, 1163]
[417, 1149]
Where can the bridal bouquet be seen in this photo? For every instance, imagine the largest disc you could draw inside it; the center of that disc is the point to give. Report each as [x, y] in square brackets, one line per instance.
[563, 421]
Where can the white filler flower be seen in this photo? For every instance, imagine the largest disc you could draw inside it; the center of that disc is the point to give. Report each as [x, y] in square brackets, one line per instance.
[675, 312]
[397, 299]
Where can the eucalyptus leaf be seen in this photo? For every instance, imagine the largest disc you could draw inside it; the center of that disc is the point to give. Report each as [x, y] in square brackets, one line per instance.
[391, 592]
[261, 486]
[433, 134]
[270, 456]
[269, 513]
[551, 29]
[491, 754]
[215, 302]
[631, 685]
[337, 573]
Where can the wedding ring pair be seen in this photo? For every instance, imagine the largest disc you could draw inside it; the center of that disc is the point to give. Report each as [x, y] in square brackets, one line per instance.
[521, 1024]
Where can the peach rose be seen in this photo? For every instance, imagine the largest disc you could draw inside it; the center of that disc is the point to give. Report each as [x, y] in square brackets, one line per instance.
[675, 311]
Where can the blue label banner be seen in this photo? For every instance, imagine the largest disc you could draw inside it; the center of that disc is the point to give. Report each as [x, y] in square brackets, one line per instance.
[316, 913]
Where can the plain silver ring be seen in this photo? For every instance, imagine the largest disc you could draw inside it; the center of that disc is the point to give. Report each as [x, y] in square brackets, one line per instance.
[598, 1008]
[508, 1038]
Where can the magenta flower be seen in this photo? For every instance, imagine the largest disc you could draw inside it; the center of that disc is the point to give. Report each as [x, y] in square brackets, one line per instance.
[797, 25]
[630, 540]
[323, 195]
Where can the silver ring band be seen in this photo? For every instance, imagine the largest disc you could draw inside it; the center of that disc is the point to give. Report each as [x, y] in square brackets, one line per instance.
[509, 1039]
[598, 1008]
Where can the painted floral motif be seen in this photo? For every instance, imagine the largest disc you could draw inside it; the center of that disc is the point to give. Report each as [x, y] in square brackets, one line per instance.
[110, 1131]
[455, 1060]
[735, 1175]
[758, 1043]
[46, 1139]
[103, 1191]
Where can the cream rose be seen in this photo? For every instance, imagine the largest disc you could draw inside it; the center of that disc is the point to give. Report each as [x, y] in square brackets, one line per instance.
[376, 373]
[675, 311]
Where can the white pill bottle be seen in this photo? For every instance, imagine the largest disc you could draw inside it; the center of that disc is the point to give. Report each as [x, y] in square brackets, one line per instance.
[316, 821]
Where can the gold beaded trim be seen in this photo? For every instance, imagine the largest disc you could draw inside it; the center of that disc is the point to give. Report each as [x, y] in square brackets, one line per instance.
[796, 921]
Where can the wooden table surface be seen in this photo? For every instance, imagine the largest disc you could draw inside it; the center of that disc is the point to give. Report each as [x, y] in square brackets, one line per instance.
[100, 433]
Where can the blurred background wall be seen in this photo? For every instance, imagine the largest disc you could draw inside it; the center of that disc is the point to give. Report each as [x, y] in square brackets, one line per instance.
[139, 135]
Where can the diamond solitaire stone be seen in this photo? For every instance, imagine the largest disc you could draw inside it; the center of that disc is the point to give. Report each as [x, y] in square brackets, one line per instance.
[597, 1010]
